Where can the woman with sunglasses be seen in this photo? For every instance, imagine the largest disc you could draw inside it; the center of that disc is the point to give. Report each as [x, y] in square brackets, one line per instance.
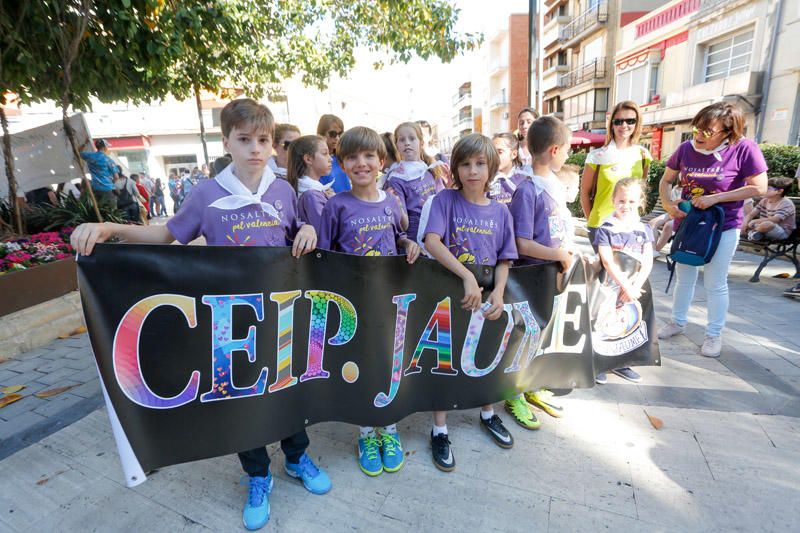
[282, 138]
[331, 127]
[717, 166]
[620, 157]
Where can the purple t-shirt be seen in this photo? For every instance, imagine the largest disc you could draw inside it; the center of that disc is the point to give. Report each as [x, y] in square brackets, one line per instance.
[502, 191]
[309, 208]
[705, 174]
[537, 217]
[612, 233]
[354, 226]
[478, 234]
[412, 195]
[249, 225]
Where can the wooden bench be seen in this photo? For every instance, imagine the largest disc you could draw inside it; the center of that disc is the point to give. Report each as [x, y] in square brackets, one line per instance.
[786, 248]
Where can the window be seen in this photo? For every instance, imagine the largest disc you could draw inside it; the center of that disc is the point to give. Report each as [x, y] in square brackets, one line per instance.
[686, 135]
[632, 85]
[562, 58]
[729, 56]
[601, 100]
[653, 83]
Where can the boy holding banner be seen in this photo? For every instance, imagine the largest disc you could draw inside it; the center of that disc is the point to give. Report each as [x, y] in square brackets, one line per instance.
[245, 190]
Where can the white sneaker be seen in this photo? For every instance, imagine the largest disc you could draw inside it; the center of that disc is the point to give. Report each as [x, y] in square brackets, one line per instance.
[712, 346]
[670, 330]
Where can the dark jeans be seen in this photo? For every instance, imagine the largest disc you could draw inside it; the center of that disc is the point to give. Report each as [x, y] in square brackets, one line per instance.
[256, 461]
[105, 198]
[131, 212]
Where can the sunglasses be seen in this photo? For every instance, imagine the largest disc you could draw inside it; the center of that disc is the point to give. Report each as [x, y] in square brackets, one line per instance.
[333, 134]
[286, 144]
[621, 121]
[706, 133]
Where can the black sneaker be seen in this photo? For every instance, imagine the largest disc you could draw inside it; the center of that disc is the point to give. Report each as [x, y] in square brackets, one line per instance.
[498, 431]
[442, 454]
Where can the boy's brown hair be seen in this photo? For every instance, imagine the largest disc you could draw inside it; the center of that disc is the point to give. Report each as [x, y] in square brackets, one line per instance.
[473, 145]
[246, 113]
[785, 184]
[545, 132]
[360, 139]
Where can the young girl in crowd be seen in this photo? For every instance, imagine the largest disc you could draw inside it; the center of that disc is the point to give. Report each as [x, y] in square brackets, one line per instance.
[411, 179]
[361, 153]
[622, 232]
[284, 135]
[510, 173]
[308, 162]
[524, 120]
[465, 226]
[541, 221]
[244, 189]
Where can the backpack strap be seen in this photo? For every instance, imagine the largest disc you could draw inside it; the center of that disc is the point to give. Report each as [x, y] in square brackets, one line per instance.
[645, 167]
[593, 192]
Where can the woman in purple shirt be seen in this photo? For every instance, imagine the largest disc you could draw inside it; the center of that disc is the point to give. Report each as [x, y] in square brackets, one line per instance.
[717, 166]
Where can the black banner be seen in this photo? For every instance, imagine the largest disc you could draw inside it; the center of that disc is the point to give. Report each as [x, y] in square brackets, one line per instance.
[205, 351]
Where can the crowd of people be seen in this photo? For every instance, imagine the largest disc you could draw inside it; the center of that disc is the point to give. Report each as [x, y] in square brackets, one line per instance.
[496, 202]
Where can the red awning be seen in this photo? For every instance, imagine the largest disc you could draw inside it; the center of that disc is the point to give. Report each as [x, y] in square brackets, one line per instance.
[587, 138]
[137, 142]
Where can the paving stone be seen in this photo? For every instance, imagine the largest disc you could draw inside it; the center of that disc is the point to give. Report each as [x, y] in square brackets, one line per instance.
[57, 376]
[80, 364]
[87, 374]
[88, 390]
[57, 403]
[9, 377]
[23, 365]
[26, 404]
[18, 424]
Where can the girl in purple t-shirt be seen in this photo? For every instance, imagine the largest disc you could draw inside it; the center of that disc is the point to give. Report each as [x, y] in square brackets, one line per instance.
[367, 221]
[510, 172]
[309, 160]
[413, 179]
[465, 226]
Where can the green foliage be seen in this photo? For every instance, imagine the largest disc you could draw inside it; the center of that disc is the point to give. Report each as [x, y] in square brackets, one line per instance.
[783, 161]
[69, 213]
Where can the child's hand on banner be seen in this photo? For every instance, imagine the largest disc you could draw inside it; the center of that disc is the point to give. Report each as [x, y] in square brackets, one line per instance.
[86, 236]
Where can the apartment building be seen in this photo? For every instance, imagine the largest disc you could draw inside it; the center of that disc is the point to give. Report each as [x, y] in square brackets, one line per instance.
[579, 42]
[463, 119]
[689, 53]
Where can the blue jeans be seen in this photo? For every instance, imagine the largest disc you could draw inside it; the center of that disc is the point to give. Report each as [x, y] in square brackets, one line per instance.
[715, 281]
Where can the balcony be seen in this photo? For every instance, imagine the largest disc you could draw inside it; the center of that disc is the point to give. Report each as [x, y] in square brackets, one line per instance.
[587, 21]
[462, 99]
[593, 70]
[498, 103]
[497, 67]
[462, 120]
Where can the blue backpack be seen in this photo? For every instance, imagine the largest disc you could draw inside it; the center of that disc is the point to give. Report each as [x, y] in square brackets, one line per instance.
[697, 237]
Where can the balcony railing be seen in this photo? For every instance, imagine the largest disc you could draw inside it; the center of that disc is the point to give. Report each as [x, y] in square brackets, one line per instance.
[597, 14]
[593, 70]
[462, 98]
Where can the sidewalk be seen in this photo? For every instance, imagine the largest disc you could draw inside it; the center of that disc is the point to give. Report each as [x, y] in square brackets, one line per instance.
[726, 458]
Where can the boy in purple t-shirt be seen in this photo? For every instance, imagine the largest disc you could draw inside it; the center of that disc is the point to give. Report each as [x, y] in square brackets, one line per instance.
[464, 226]
[367, 221]
[243, 205]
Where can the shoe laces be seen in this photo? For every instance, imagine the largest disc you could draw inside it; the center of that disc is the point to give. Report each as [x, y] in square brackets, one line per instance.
[371, 446]
[495, 423]
[307, 466]
[440, 442]
[258, 488]
[390, 443]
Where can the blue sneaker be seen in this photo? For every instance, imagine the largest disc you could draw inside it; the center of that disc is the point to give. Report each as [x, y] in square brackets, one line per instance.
[369, 455]
[392, 454]
[314, 479]
[256, 510]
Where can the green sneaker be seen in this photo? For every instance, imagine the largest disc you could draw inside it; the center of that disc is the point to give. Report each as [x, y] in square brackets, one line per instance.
[521, 411]
[543, 399]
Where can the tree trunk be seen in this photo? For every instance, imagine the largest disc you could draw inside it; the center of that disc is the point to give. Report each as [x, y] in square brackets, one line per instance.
[202, 126]
[12, 180]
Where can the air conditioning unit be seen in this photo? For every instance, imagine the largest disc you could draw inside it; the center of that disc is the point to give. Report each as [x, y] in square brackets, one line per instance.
[505, 116]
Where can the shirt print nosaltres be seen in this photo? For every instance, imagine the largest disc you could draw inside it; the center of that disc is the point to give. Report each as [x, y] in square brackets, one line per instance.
[226, 213]
[720, 171]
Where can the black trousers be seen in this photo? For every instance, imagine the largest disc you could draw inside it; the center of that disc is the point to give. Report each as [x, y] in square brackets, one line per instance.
[256, 461]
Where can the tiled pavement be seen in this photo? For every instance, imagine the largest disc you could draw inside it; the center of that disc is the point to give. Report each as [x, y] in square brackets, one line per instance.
[725, 460]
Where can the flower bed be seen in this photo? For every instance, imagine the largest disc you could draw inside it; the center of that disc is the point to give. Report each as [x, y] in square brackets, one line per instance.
[35, 250]
[36, 269]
